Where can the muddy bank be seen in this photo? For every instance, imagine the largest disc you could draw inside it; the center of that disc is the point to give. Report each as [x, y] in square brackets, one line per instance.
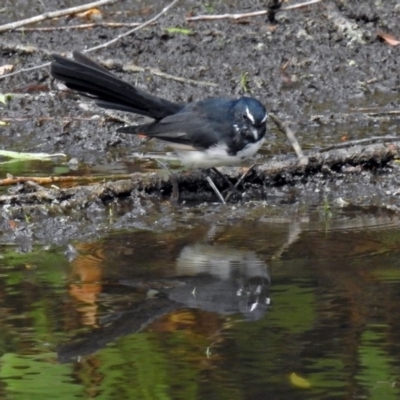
[323, 69]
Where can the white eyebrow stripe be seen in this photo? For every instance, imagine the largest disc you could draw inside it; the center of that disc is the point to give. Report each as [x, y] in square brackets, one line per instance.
[251, 118]
[265, 118]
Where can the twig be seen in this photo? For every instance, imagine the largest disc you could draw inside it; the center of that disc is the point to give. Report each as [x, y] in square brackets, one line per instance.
[22, 48]
[45, 180]
[378, 109]
[80, 26]
[111, 63]
[54, 14]
[249, 15]
[226, 16]
[300, 5]
[25, 70]
[291, 137]
[157, 72]
[381, 113]
[366, 112]
[143, 25]
[45, 119]
[356, 142]
[122, 35]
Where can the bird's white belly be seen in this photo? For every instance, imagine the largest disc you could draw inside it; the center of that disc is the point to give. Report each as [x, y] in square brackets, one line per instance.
[217, 156]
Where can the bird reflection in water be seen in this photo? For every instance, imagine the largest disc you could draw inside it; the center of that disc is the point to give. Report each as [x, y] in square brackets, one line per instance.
[211, 278]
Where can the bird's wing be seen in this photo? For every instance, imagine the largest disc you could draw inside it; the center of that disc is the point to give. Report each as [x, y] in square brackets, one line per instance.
[187, 128]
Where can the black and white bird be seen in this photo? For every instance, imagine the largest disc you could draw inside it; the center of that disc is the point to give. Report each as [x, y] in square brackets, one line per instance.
[206, 134]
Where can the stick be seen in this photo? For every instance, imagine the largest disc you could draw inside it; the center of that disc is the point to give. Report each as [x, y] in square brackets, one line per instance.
[154, 71]
[248, 15]
[300, 5]
[350, 143]
[54, 14]
[45, 119]
[122, 35]
[291, 137]
[226, 16]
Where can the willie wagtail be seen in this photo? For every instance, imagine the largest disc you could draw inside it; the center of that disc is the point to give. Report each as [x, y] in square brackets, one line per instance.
[206, 134]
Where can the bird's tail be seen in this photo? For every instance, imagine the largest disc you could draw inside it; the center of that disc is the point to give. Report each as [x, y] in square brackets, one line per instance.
[92, 80]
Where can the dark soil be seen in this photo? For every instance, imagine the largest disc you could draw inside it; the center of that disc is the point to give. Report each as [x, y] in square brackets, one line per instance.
[323, 69]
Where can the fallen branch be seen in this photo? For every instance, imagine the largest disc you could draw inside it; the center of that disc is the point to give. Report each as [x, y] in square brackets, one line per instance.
[81, 194]
[249, 15]
[284, 171]
[193, 185]
[54, 14]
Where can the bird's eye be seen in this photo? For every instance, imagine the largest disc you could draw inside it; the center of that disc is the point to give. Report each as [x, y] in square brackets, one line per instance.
[246, 117]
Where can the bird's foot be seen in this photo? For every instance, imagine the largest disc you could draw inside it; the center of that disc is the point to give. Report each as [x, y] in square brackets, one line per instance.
[234, 188]
[174, 180]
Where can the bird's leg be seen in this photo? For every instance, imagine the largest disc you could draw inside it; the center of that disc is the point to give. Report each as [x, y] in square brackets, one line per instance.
[212, 184]
[175, 188]
[216, 191]
[240, 180]
[174, 181]
[232, 188]
[221, 175]
[244, 176]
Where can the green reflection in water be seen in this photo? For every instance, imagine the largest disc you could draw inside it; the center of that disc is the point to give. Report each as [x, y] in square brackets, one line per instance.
[296, 312]
[34, 377]
[378, 376]
[134, 368]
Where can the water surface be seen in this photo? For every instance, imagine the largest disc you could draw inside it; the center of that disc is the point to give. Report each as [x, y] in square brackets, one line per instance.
[302, 309]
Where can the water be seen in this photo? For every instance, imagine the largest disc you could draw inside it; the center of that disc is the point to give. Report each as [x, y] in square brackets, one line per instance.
[286, 310]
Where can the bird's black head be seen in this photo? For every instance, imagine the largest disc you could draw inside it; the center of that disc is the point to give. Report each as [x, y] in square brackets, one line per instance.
[250, 118]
